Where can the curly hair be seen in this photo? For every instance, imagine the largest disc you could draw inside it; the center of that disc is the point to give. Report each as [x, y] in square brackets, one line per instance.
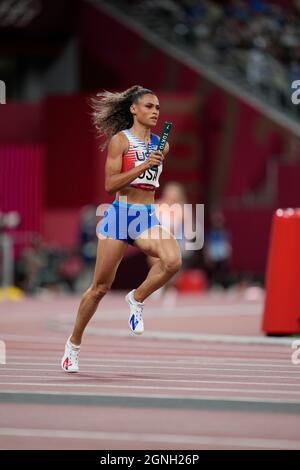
[111, 111]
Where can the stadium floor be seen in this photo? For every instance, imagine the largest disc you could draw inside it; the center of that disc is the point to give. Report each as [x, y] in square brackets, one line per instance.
[202, 376]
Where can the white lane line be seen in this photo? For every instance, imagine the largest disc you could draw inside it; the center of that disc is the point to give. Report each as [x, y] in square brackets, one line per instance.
[176, 360]
[186, 345]
[138, 344]
[66, 377]
[181, 359]
[261, 443]
[154, 374]
[187, 365]
[144, 347]
[153, 387]
[293, 371]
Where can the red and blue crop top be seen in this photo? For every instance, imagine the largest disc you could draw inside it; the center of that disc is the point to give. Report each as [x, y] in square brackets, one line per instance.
[136, 154]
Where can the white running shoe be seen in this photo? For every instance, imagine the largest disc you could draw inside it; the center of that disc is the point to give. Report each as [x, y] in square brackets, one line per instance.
[69, 361]
[135, 321]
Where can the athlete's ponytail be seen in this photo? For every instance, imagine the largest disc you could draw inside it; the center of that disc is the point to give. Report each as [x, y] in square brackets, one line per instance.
[111, 111]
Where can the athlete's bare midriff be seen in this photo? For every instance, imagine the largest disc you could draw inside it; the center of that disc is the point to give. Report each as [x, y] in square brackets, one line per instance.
[136, 195]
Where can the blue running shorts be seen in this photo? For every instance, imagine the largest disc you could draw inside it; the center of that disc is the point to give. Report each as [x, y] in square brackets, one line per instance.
[127, 222]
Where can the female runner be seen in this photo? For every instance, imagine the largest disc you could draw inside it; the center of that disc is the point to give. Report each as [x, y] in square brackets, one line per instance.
[132, 171]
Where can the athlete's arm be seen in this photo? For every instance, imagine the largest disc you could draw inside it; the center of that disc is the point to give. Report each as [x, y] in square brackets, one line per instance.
[114, 179]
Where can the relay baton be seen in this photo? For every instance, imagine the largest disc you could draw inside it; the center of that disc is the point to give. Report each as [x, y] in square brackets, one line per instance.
[163, 138]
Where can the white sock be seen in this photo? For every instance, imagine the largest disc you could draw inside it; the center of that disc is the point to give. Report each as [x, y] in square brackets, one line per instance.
[73, 346]
[133, 299]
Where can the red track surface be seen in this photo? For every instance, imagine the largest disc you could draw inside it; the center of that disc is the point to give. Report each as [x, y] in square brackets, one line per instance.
[149, 392]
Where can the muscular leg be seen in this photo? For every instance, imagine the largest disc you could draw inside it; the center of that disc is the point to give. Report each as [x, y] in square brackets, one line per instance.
[109, 255]
[169, 260]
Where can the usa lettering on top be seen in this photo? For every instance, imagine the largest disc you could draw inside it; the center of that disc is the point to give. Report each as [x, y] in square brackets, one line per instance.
[136, 154]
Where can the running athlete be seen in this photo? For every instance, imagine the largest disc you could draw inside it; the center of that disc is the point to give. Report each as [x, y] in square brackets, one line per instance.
[132, 171]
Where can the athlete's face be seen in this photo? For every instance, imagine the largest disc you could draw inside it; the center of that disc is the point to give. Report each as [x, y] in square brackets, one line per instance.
[146, 110]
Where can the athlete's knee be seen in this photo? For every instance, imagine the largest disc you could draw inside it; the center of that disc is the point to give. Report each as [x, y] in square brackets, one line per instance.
[172, 263]
[100, 289]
